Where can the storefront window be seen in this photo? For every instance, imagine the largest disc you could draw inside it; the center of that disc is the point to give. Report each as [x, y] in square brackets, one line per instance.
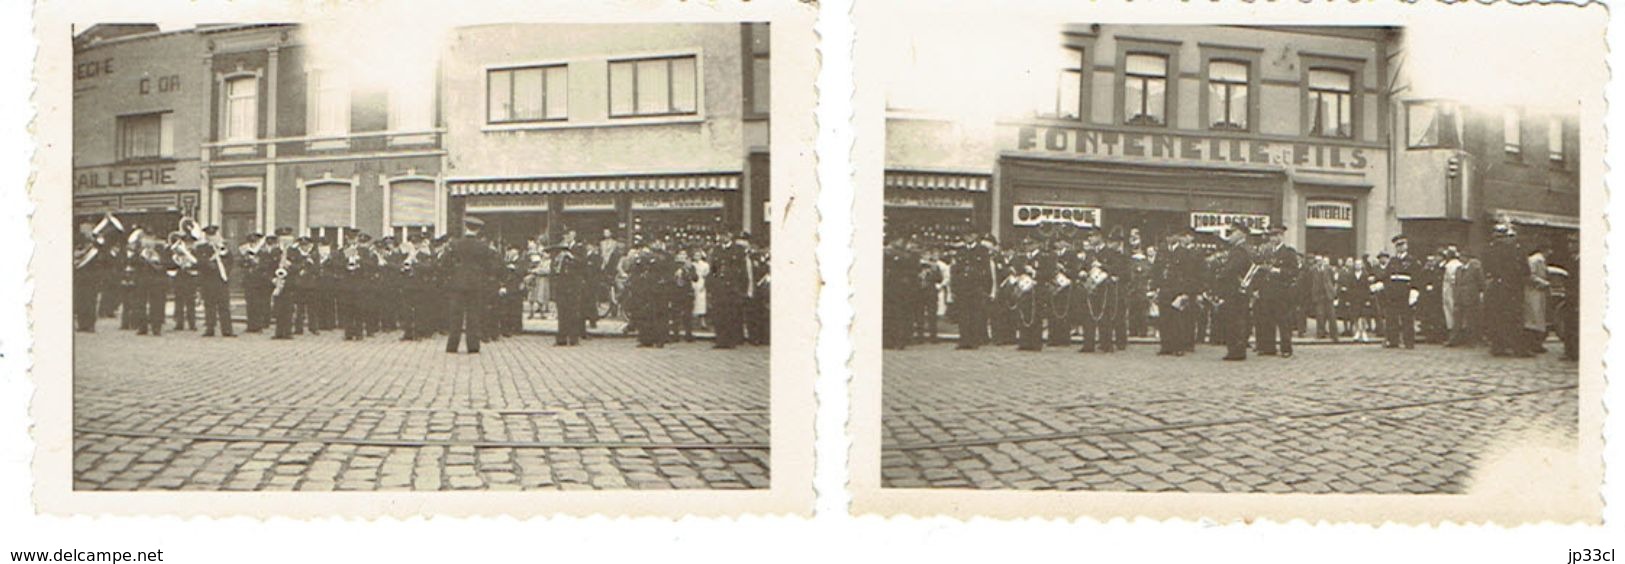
[653, 87]
[527, 94]
[1227, 95]
[242, 108]
[1145, 89]
[146, 136]
[1331, 92]
[1064, 98]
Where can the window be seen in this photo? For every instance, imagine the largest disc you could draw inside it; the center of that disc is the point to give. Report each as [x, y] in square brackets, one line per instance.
[242, 108]
[329, 104]
[1512, 132]
[1331, 94]
[1145, 89]
[411, 108]
[1554, 140]
[1227, 95]
[327, 205]
[653, 87]
[146, 136]
[1064, 100]
[1431, 125]
[761, 69]
[528, 94]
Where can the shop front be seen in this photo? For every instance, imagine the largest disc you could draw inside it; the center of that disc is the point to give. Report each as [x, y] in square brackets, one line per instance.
[1054, 181]
[935, 207]
[1050, 199]
[680, 208]
[154, 196]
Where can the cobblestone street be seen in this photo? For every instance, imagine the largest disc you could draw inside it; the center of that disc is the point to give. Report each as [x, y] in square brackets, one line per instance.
[1334, 419]
[319, 413]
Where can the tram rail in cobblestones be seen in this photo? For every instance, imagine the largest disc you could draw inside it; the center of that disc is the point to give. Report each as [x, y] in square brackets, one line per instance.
[411, 443]
[964, 443]
[429, 409]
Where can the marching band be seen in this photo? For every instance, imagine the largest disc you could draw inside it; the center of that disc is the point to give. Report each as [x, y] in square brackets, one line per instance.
[1250, 289]
[421, 286]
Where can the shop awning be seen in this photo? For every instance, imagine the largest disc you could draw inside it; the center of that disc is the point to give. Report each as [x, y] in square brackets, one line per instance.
[1535, 218]
[936, 181]
[597, 184]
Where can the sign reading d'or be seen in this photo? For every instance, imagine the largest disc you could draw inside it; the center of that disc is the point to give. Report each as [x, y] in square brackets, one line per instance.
[1194, 148]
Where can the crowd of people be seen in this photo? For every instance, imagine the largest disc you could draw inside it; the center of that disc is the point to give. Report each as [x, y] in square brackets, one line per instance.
[465, 287]
[1249, 288]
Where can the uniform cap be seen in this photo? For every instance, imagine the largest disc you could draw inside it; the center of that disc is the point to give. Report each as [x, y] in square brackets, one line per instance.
[1277, 228]
[212, 229]
[472, 221]
[1399, 238]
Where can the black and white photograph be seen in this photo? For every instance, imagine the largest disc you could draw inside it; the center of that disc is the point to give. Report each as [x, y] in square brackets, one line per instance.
[1259, 259]
[493, 257]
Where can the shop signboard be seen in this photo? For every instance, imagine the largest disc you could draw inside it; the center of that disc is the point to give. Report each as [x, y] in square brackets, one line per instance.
[506, 202]
[1195, 148]
[1216, 222]
[677, 202]
[1030, 215]
[932, 201]
[589, 202]
[1332, 214]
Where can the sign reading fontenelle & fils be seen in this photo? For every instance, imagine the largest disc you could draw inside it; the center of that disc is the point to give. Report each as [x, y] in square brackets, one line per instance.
[1216, 222]
[127, 177]
[1028, 215]
[1188, 147]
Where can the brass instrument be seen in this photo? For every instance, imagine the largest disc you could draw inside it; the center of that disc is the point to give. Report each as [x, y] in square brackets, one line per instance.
[183, 255]
[1247, 281]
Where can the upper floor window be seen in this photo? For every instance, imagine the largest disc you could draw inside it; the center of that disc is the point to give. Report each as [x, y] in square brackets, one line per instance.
[242, 108]
[1431, 125]
[1331, 93]
[1512, 132]
[538, 93]
[329, 104]
[146, 136]
[1227, 95]
[761, 68]
[1554, 139]
[1064, 98]
[653, 87]
[1145, 89]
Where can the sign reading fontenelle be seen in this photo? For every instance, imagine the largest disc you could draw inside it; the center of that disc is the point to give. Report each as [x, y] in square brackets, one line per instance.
[1187, 147]
[1216, 222]
[1028, 215]
[134, 177]
[1330, 213]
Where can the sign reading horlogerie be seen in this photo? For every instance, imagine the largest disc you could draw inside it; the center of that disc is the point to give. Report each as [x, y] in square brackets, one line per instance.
[1188, 147]
[1216, 222]
[1029, 215]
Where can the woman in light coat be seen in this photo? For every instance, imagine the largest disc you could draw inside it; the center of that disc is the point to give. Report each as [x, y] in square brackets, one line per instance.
[1535, 296]
[702, 269]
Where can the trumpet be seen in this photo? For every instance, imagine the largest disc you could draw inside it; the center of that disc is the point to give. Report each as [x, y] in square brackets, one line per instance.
[1247, 281]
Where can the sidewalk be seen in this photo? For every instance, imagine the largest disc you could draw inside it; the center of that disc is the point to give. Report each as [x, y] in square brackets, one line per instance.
[548, 326]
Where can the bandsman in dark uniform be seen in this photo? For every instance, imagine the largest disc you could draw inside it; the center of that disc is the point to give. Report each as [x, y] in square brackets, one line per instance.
[88, 275]
[1399, 294]
[215, 283]
[256, 272]
[470, 266]
[567, 271]
[283, 260]
[1277, 293]
[898, 274]
[1232, 289]
[726, 288]
[1507, 273]
[972, 282]
[186, 277]
[1179, 271]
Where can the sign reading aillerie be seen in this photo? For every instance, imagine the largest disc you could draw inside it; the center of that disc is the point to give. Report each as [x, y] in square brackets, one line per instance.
[1191, 147]
[1216, 222]
[1335, 214]
[1029, 215]
[124, 177]
[933, 201]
